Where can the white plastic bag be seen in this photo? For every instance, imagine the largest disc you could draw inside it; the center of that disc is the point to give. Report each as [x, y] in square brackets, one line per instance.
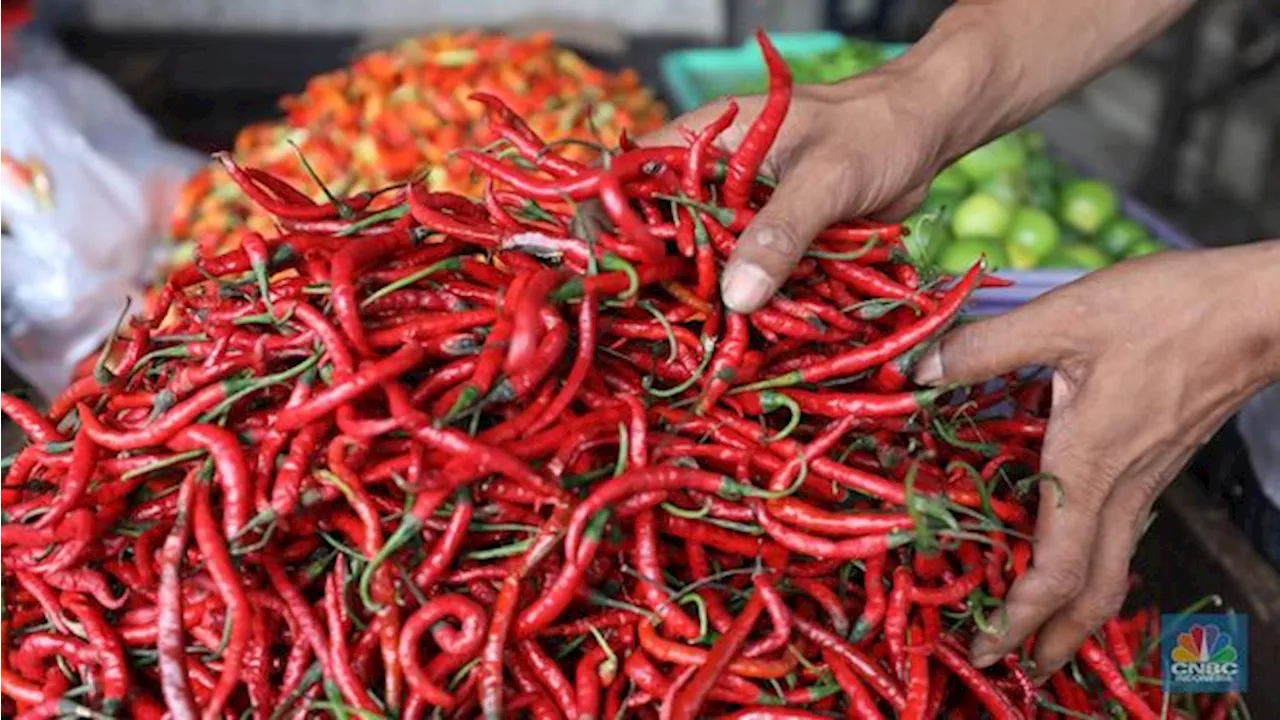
[85, 194]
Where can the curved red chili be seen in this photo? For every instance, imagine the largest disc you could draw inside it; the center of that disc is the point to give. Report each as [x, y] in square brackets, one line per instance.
[749, 156]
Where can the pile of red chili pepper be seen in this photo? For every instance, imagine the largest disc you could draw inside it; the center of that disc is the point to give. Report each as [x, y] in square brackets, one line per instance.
[397, 113]
[513, 457]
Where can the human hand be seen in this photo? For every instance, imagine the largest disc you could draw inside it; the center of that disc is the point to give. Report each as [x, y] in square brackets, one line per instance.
[1150, 357]
[863, 148]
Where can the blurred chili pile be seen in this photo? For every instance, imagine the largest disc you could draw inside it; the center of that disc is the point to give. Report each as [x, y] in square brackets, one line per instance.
[399, 112]
[490, 458]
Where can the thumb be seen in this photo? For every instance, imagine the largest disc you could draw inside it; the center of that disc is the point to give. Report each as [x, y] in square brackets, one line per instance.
[777, 238]
[994, 346]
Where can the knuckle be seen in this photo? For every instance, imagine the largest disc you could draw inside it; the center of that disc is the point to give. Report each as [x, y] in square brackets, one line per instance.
[780, 239]
[1149, 486]
[963, 342]
[963, 351]
[1086, 475]
[1095, 607]
[1062, 581]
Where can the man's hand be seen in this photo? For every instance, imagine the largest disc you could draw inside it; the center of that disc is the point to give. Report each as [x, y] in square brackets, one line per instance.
[1150, 357]
[858, 149]
[868, 147]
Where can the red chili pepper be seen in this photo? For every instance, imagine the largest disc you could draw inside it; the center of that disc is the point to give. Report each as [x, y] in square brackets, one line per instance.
[746, 160]
[527, 319]
[447, 546]
[950, 593]
[721, 371]
[827, 599]
[689, 701]
[813, 519]
[29, 419]
[1113, 679]
[550, 675]
[860, 702]
[75, 523]
[856, 360]
[1118, 645]
[511, 127]
[644, 554]
[895, 620]
[472, 620]
[876, 602]
[917, 679]
[344, 676]
[556, 597]
[647, 480]
[107, 648]
[331, 398]
[855, 548]
[682, 654]
[872, 283]
[170, 647]
[880, 682]
[177, 418]
[226, 578]
[89, 581]
[274, 195]
[991, 698]
[230, 470]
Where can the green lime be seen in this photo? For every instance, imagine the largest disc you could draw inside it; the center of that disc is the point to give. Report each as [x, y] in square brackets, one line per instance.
[942, 202]
[1008, 186]
[951, 179]
[1034, 233]
[1064, 173]
[1085, 256]
[1145, 246]
[981, 215]
[1020, 258]
[1057, 260]
[1034, 140]
[1041, 170]
[1005, 153]
[1087, 205]
[1043, 196]
[962, 253]
[1116, 237]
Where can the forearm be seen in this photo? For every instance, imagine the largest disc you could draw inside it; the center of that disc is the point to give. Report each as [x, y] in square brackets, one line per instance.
[1258, 288]
[988, 66]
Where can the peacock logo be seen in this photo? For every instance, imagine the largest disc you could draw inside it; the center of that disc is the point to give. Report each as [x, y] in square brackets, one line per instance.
[1207, 652]
[1204, 644]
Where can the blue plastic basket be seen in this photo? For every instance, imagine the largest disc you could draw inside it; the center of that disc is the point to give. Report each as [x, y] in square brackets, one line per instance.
[696, 76]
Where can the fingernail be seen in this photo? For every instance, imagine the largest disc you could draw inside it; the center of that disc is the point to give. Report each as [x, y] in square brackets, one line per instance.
[1042, 674]
[982, 660]
[983, 651]
[929, 370]
[746, 287]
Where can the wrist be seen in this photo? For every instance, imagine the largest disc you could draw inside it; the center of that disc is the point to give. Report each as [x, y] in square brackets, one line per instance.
[1260, 304]
[948, 80]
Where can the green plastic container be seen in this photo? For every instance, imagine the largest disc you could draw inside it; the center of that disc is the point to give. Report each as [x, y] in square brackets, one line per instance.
[697, 76]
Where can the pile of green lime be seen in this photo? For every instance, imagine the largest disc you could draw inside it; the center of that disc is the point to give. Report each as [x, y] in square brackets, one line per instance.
[1010, 201]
